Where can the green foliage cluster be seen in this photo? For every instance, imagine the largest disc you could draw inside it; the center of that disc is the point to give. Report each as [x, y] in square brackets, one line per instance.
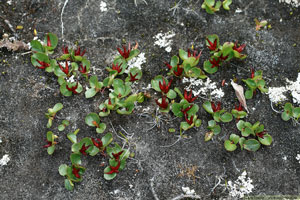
[69, 68]
[211, 6]
[290, 112]
[255, 82]
[221, 54]
[92, 147]
[73, 64]
[256, 130]
[183, 66]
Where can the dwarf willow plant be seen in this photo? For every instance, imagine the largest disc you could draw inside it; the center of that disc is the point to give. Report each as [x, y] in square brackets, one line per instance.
[211, 6]
[183, 66]
[255, 82]
[290, 112]
[68, 68]
[219, 115]
[52, 112]
[92, 147]
[256, 132]
[220, 54]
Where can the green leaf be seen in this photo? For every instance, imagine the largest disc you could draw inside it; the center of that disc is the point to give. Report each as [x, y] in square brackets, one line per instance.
[241, 142]
[65, 122]
[240, 125]
[212, 38]
[250, 83]
[72, 137]
[92, 150]
[229, 146]
[63, 169]
[109, 176]
[49, 123]
[172, 130]
[251, 145]
[51, 149]
[50, 136]
[190, 61]
[90, 93]
[75, 158]
[235, 138]
[247, 131]
[226, 4]
[259, 129]
[171, 94]
[133, 53]
[185, 126]
[176, 109]
[37, 46]
[226, 117]
[198, 123]
[227, 48]
[249, 94]
[210, 2]
[208, 136]
[76, 147]
[53, 39]
[69, 184]
[285, 116]
[61, 127]
[155, 82]
[296, 113]
[107, 139]
[39, 56]
[64, 91]
[183, 55]
[193, 110]
[288, 107]
[266, 140]
[207, 106]
[91, 118]
[101, 128]
[175, 60]
[218, 5]
[207, 66]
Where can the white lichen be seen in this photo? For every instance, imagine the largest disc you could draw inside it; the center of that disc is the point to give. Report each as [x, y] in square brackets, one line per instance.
[103, 7]
[136, 62]
[4, 160]
[298, 158]
[294, 88]
[164, 40]
[276, 94]
[241, 186]
[294, 3]
[203, 87]
[188, 191]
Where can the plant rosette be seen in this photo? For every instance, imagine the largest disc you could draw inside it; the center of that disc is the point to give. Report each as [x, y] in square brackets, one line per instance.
[63, 125]
[50, 142]
[211, 6]
[117, 161]
[255, 82]
[95, 87]
[256, 130]
[72, 173]
[238, 112]
[220, 54]
[290, 112]
[52, 112]
[93, 119]
[91, 146]
[214, 128]
[217, 113]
